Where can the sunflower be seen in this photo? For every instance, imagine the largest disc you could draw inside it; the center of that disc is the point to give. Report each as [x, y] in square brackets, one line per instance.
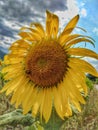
[44, 69]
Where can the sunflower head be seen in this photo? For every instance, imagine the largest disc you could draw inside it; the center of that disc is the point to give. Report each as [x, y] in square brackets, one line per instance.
[45, 65]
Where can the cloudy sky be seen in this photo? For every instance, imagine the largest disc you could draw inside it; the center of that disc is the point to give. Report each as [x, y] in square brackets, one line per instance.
[16, 13]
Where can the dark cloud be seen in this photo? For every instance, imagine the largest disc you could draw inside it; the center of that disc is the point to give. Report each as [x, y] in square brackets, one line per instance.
[53, 5]
[21, 12]
[5, 30]
[15, 10]
[24, 10]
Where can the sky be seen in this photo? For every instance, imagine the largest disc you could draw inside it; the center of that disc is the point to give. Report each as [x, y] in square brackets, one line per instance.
[15, 14]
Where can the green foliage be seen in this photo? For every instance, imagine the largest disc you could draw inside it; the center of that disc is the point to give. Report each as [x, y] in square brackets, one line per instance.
[96, 81]
[89, 83]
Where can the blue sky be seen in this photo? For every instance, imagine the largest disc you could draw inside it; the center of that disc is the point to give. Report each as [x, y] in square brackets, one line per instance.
[90, 19]
[15, 14]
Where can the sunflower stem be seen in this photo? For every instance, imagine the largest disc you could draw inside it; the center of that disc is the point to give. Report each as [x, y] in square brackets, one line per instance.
[54, 123]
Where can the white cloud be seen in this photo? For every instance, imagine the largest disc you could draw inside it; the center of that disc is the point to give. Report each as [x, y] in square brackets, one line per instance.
[82, 3]
[95, 30]
[83, 12]
[11, 24]
[6, 41]
[65, 15]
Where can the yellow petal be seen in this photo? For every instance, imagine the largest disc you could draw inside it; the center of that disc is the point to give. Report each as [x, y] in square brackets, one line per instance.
[72, 22]
[40, 28]
[52, 25]
[63, 91]
[77, 105]
[28, 103]
[13, 48]
[78, 40]
[18, 53]
[70, 26]
[11, 68]
[12, 75]
[17, 89]
[11, 85]
[35, 108]
[26, 108]
[26, 35]
[35, 33]
[84, 66]
[47, 106]
[82, 52]
[38, 103]
[63, 95]
[42, 104]
[79, 79]
[58, 103]
[73, 90]
[20, 91]
[68, 111]
[21, 43]
[67, 38]
[14, 60]
[23, 94]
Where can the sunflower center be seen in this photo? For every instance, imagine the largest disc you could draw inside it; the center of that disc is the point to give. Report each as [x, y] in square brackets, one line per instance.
[46, 63]
[42, 62]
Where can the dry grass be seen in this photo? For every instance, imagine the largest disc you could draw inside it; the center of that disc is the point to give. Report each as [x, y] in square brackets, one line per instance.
[88, 118]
